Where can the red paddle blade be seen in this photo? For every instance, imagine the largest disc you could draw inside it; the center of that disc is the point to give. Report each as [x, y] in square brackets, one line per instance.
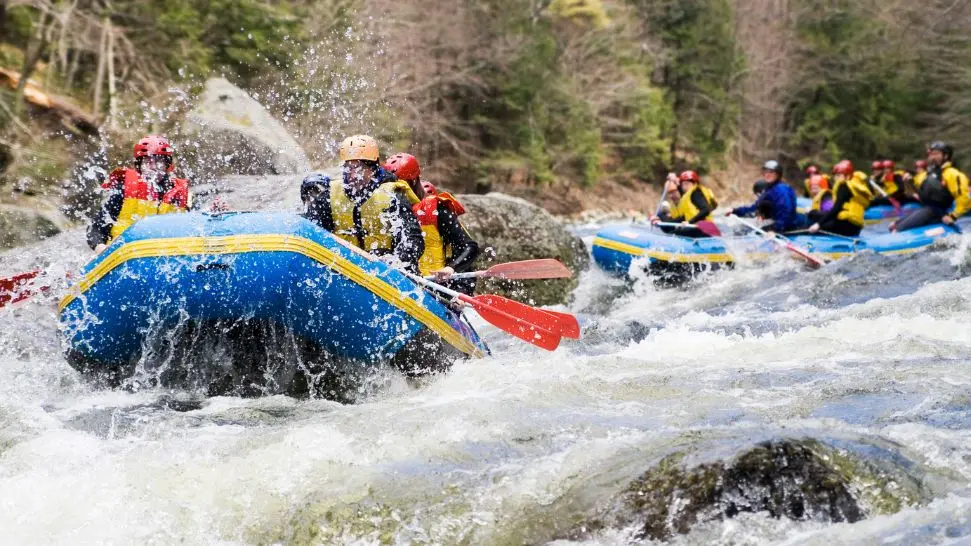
[550, 321]
[526, 331]
[529, 269]
[709, 228]
[813, 262]
[569, 327]
[14, 288]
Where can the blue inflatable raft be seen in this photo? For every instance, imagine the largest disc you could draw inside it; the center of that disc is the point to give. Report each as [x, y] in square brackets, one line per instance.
[250, 303]
[873, 215]
[615, 247]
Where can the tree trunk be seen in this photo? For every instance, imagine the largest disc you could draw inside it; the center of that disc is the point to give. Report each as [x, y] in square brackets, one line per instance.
[35, 50]
[112, 94]
[99, 77]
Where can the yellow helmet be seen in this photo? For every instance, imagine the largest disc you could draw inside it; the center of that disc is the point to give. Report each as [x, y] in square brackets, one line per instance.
[359, 147]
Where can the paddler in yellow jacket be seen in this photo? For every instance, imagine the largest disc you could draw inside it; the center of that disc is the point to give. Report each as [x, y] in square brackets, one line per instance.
[148, 189]
[697, 202]
[449, 248]
[943, 187]
[851, 197]
[369, 208]
[823, 180]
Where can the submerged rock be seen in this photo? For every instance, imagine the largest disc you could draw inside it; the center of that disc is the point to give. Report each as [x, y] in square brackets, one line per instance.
[795, 479]
[21, 226]
[229, 132]
[515, 229]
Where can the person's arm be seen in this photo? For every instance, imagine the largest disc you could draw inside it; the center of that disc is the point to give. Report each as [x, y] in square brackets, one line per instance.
[319, 211]
[99, 232]
[748, 210]
[409, 244]
[464, 249]
[959, 188]
[700, 203]
[843, 196]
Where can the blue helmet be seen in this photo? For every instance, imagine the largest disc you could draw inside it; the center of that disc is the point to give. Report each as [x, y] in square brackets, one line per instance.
[313, 185]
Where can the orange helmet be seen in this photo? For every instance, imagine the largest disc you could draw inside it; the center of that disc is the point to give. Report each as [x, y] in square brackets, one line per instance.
[429, 188]
[404, 166]
[920, 164]
[360, 147]
[887, 164]
[843, 167]
[812, 169]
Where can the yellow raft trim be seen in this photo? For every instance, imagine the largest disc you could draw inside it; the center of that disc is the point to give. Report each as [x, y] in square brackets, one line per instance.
[678, 257]
[237, 244]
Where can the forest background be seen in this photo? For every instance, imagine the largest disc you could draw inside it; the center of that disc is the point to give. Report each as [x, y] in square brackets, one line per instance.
[574, 104]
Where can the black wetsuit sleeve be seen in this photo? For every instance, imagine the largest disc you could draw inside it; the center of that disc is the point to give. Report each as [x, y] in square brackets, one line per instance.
[704, 209]
[464, 249]
[409, 244]
[843, 196]
[100, 229]
[319, 210]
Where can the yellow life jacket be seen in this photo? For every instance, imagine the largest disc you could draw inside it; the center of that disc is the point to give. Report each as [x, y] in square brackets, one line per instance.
[141, 200]
[854, 209]
[366, 229]
[687, 210]
[889, 184]
[437, 250]
[818, 199]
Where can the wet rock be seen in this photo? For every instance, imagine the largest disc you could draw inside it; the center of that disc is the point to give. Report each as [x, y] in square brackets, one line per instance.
[515, 229]
[799, 480]
[228, 132]
[20, 226]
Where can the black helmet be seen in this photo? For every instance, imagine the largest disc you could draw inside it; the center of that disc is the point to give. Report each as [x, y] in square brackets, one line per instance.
[942, 147]
[759, 187]
[312, 185]
[772, 165]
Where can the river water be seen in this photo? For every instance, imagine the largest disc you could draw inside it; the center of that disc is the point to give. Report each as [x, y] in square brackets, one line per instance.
[871, 354]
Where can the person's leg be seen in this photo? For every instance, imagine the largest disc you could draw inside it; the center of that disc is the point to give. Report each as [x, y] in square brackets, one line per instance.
[920, 217]
[841, 227]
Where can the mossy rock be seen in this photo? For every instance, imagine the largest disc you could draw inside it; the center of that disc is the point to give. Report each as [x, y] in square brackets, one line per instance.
[510, 229]
[795, 479]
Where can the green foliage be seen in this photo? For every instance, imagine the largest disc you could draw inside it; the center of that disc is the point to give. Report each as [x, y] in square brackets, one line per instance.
[865, 99]
[198, 37]
[701, 63]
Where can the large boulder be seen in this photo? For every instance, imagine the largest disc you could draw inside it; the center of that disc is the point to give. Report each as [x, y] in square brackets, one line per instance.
[797, 479]
[229, 132]
[21, 226]
[511, 229]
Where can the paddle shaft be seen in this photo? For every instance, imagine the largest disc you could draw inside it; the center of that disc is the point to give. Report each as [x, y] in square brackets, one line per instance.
[664, 195]
[783, 242]
[546, 268]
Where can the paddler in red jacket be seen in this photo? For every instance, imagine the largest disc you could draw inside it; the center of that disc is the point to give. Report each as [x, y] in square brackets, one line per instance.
[134, 193]
[449, 248]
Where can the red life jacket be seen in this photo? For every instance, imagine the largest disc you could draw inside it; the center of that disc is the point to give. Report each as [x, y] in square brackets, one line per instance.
[141, 199]
[437, 250]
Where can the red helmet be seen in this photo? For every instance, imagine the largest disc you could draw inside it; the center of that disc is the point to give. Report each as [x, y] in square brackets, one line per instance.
[877, 165]
[920, 164]
[844, 167]
[812, 169]
[153, 145]
[429, 188]
[688, 176]
[887, 164]
[404, 166]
